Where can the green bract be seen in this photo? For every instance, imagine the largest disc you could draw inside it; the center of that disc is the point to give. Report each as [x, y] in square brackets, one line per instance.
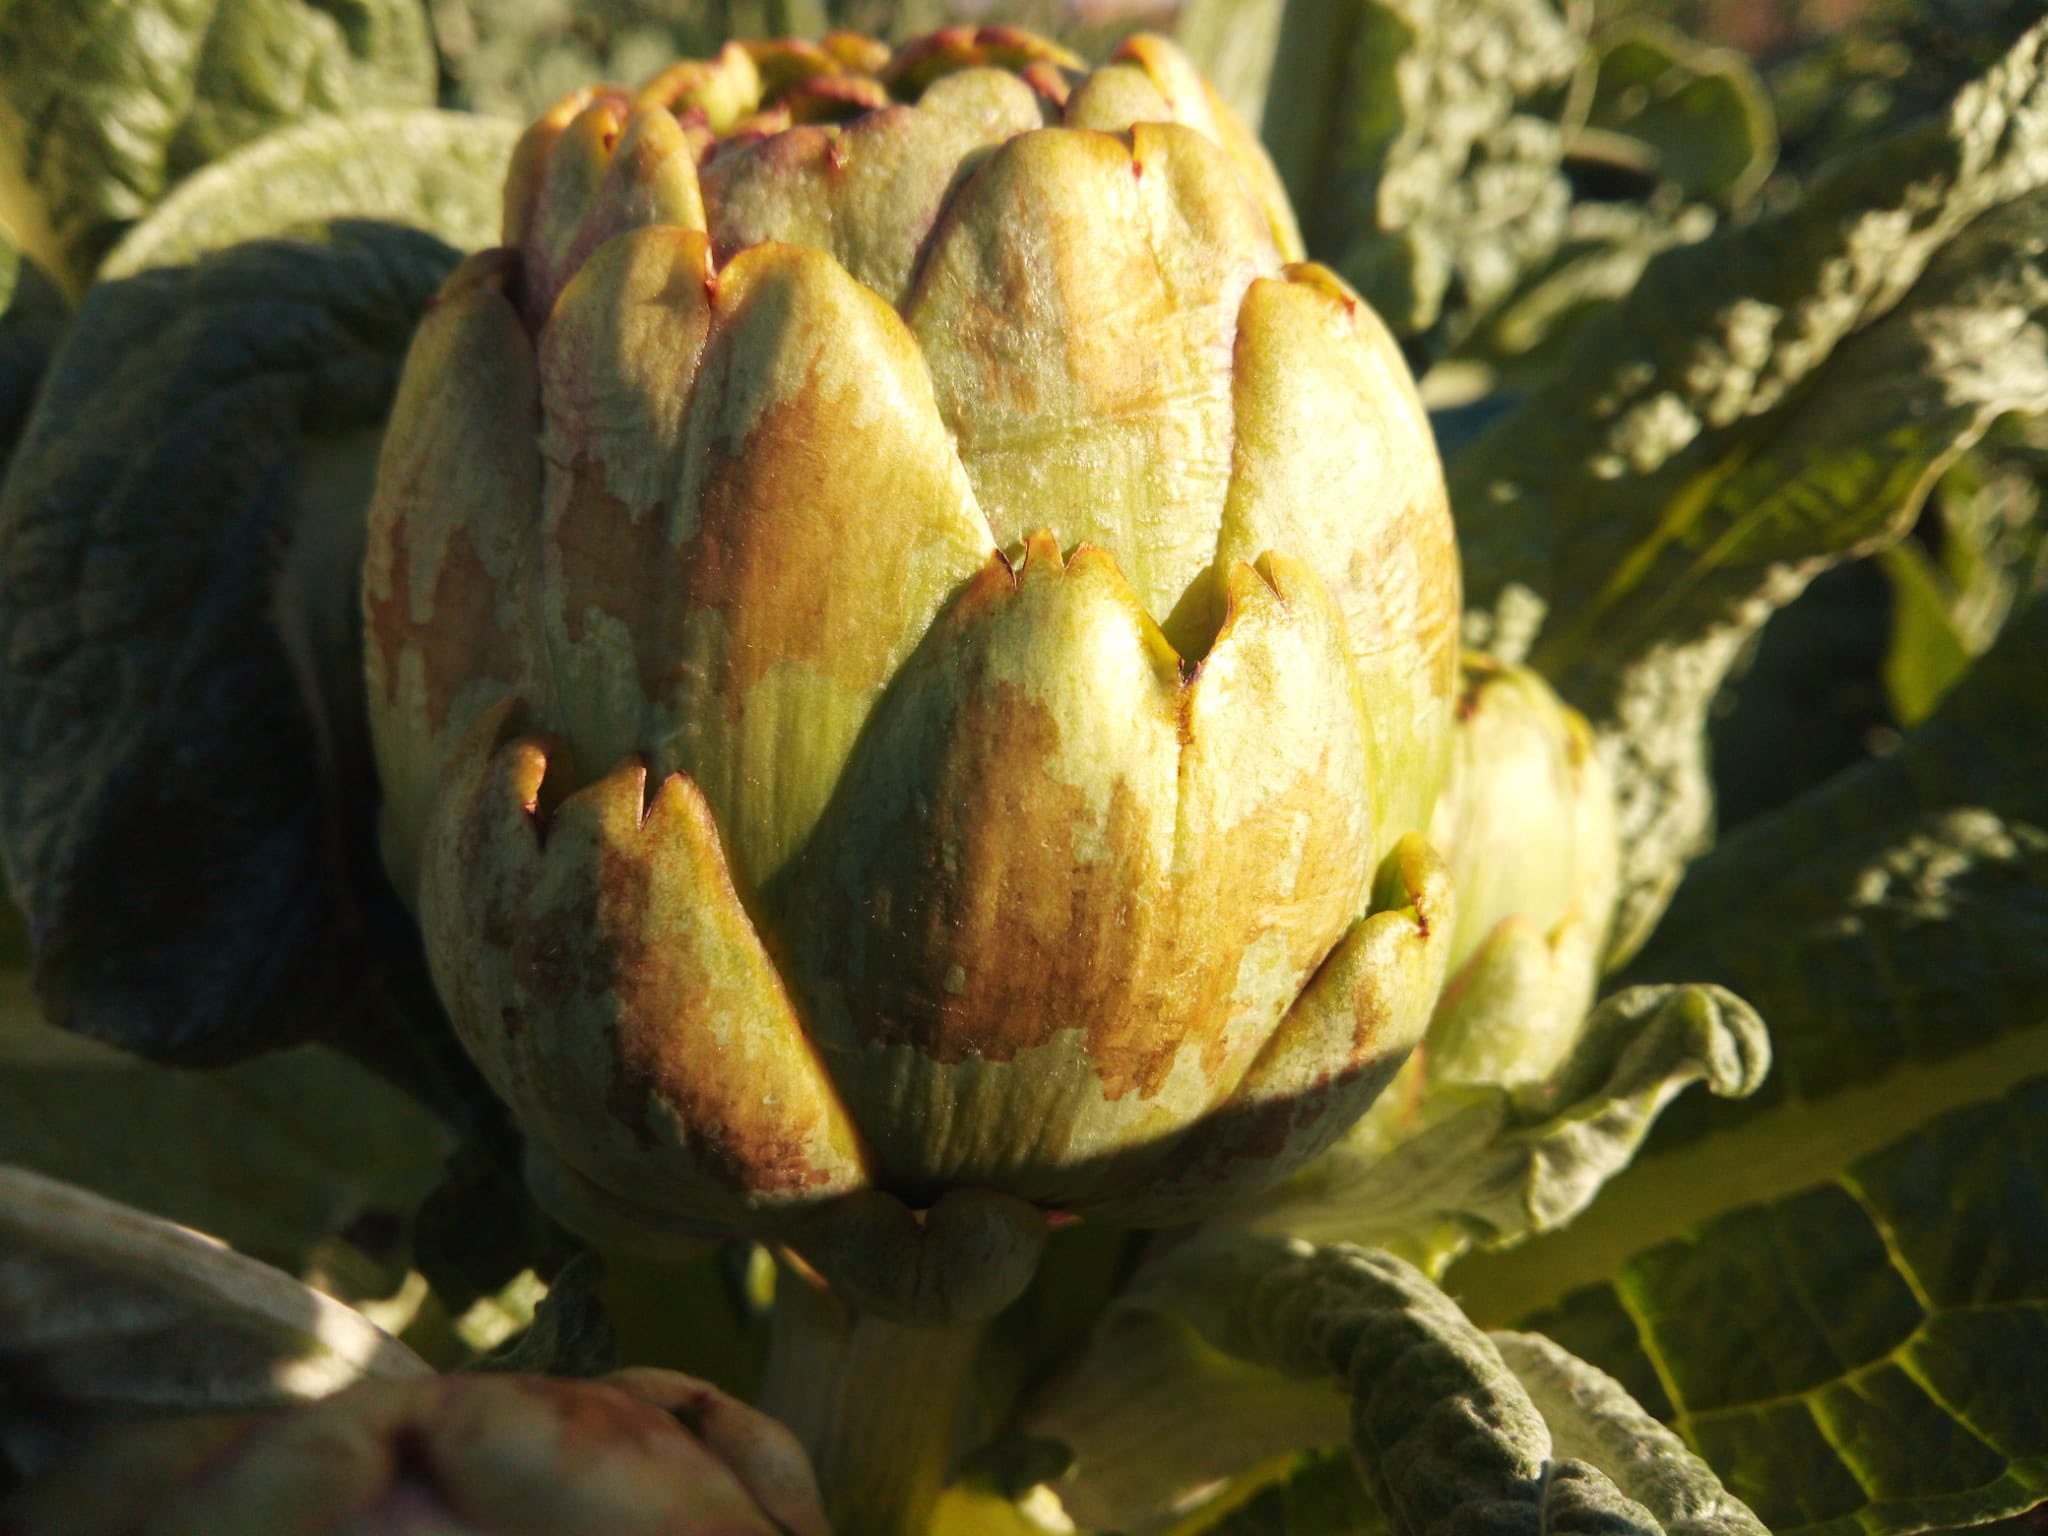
[911, 644]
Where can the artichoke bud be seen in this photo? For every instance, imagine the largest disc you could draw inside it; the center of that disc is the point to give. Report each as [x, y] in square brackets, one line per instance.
[638, 1453]
[1527, 824]
[911, 643]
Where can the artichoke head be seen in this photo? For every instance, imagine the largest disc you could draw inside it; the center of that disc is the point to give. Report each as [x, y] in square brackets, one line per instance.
[911, 642]
[638, 1453]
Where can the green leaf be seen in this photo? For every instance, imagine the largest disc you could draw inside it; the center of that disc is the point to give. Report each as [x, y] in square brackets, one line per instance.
[107, 1314]
[1928, 651]
[1408, 138]
[105, 103]
[1600, 257]
[442, 172]
[1699, 113]
[1490, 1167]
[1865, 1355]
[33, 315]
[1765, 402]
[1446, 1435]
[187, 809]
[1233, 43]
[1322, 1496]
[273, 1155]
[1591, 1416]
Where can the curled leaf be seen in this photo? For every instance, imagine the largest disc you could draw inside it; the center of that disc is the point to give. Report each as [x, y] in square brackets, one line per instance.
[1488, 1166]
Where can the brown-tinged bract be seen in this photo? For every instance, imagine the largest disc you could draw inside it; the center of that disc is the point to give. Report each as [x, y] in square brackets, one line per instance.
[638, 1453]
[911, 640]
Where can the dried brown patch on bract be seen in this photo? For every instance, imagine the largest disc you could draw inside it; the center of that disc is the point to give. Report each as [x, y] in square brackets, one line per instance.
[456, 637]
[608, 980]
[615, 563]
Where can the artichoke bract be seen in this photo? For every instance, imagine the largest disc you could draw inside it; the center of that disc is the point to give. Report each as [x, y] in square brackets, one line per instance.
[911, 642]
[640, 1451]
[1527, 825]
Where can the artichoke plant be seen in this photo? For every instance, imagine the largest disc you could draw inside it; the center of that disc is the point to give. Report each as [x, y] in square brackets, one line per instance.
[822, 726]
[911, 646]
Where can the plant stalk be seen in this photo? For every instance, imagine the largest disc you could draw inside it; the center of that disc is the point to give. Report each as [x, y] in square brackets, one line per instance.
[879, 1405]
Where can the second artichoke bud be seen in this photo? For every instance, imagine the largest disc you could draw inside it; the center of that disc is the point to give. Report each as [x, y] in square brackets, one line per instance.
[911, 643]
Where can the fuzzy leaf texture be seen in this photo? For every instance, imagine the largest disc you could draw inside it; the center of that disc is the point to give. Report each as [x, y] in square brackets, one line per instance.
[1765, 402]
[1491, 1165]
[436, 171]
[1893, 925]
[1446, 1435]
[104, 104]
[1410, 139]
[174, 816]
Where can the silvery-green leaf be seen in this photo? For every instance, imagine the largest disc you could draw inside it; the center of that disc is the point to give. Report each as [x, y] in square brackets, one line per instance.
[107, 1315]
[1407, 140]
[186, 812]
[1490, 1167]
[1591, 1416]
[1444, 1433]
[274, 1155]
[442, 172]
[1602, 253]
[104, 104]
[1766, 401]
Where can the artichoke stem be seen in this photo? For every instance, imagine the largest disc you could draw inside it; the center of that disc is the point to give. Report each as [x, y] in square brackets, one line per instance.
[879, 1405]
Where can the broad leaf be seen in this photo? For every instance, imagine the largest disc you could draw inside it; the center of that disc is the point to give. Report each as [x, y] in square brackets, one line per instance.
[1490, 1167]
[1598, 259]
[104, 104]
[1409, 138]
[1894, 927]
[273, 1156]
[1766, 401]
[186, 809]
[1444, 1432]
[1863, 1355]
[33, 315]
[107, 1315]
[442, 172]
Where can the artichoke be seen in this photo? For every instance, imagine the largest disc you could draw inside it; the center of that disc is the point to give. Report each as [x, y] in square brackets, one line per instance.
[911, 647]
[640, 1451]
